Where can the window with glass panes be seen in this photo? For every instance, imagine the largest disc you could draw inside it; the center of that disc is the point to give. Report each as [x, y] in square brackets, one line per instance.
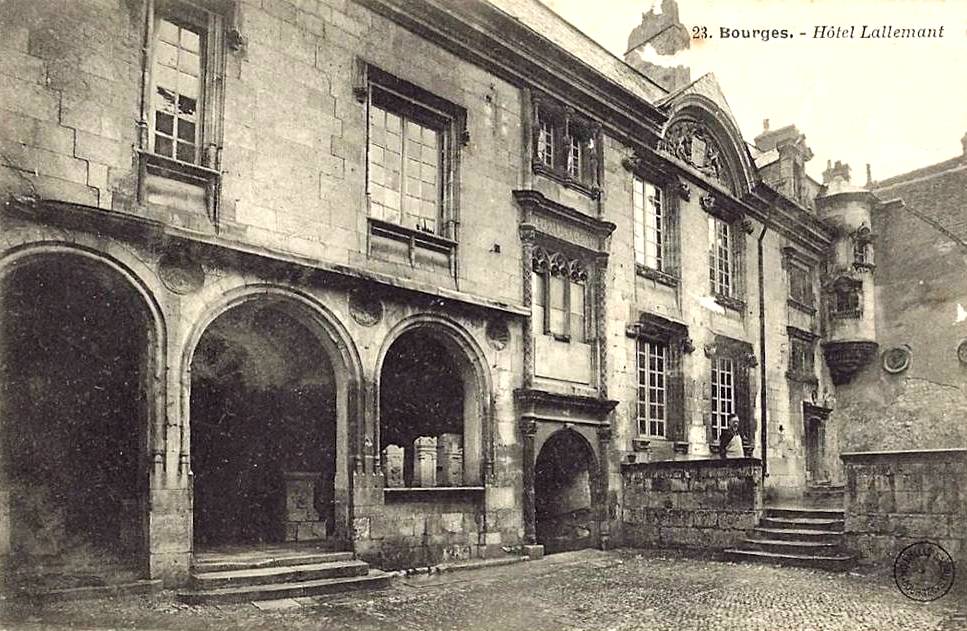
[559, 299]
[545, 141]
[652, 392]
[723, 394]
[721, 258]
[649, 224]
[801, 360]
[177, 74]
[575, 167]
[405, 159]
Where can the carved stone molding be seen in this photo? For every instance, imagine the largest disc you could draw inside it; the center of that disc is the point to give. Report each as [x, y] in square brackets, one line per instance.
[558, 264]
[845, 359]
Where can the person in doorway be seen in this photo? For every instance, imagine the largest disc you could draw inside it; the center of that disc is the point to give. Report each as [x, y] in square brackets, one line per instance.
[730, 440]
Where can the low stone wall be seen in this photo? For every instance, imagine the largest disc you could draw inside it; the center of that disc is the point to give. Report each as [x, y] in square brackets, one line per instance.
[709, 504]
[895, 498]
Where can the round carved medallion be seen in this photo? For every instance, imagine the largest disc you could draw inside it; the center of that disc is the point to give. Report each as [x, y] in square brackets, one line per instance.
[498, 334]
[896, 359]
[365, 308]
[962, 352]
[180, 273]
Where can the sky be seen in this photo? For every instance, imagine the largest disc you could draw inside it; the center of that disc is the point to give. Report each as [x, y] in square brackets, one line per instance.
[898, 104]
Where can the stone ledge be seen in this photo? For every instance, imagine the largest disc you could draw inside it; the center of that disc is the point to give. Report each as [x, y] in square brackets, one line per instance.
[707, 463]
[907, 454]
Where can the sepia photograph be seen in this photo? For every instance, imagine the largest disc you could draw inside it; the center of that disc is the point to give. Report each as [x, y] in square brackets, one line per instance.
[510, 315]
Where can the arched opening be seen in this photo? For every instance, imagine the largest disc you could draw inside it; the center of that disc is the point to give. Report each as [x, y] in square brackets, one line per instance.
[564, 476]
[263, 429]
[76, 395]
[431, 405]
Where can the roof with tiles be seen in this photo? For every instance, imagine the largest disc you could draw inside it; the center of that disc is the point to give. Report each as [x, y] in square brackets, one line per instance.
[938, 191]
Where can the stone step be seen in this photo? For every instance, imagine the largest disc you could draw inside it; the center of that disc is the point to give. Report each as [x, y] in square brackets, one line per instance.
[277, 574]
[213, 562]
[113, 590]
[807, 512]
[798, 534]
[804, 523]
[793, 547]
[836, 562]
[374, 580]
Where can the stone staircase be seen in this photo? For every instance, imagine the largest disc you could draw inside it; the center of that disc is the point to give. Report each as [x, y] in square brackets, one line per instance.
[273, 574]
[824, 495]
[804, 536]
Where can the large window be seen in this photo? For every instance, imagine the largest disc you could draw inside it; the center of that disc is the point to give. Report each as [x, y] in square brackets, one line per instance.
[801, 285]
[650, 226]
[723, 394]
[559, 303]
[652, 388]
[178, 73]
[721, 259]
[405, 162]
[801, 359]
[180, 127]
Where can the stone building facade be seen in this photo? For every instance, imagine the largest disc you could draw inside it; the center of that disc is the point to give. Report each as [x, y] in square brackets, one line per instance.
[411, 279]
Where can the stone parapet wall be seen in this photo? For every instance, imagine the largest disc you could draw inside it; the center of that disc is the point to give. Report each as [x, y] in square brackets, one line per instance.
[708, 504]
[895, 498]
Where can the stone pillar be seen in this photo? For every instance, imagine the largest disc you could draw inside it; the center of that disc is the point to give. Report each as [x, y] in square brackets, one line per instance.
[449, 460]
[528, 430]
[602, 510]
[393, 466]
[424, 461]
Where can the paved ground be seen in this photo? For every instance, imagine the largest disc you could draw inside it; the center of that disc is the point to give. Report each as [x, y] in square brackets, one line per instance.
[584, 590]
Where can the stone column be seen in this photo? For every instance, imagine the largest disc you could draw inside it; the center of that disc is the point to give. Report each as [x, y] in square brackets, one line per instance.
[528, 430]
[604, 524]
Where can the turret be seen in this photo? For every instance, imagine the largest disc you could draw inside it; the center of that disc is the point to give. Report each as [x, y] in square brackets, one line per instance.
[848, 288]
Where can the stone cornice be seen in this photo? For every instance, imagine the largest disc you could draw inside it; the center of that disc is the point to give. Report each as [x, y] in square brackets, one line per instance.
[577, 403]
[534, 201]
[482, 34]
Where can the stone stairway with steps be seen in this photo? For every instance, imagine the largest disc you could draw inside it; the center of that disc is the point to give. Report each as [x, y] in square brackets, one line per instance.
[804, 536]
[273, 574]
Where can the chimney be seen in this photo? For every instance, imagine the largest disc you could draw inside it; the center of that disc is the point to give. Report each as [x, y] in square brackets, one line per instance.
[765, 125]
[869, 175]
[963, 143]
[838, 171]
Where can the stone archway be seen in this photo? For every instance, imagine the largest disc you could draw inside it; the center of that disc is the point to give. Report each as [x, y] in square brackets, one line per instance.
[274, 382]
[263, 413]
[565, 493]
[433, 383]
[80, 388]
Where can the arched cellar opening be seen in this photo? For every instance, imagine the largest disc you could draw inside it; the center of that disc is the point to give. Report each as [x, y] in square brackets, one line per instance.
[76, 391]
[430, 413]
[263, 430]
[563, 493]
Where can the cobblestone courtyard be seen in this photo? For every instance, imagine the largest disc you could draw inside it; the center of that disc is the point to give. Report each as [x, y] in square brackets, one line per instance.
[585, 590]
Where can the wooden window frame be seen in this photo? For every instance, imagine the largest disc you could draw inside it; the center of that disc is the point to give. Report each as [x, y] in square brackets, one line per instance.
[651, 329]
[719, 415]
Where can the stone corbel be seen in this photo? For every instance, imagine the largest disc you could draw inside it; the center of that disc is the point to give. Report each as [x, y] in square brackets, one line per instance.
[684, 191]
[708, 202]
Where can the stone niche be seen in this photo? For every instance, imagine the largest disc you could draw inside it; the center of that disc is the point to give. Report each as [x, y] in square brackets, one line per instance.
[302, 520]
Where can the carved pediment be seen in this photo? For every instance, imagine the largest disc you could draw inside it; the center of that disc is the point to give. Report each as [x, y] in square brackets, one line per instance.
[691, 142]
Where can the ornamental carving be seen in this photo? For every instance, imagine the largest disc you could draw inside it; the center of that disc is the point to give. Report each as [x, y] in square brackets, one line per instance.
[708, 202]
[498, 335]
[180, 273]
[896, 359]
[692, 143]
[365, 309]
[557, 264]
[845, 359]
